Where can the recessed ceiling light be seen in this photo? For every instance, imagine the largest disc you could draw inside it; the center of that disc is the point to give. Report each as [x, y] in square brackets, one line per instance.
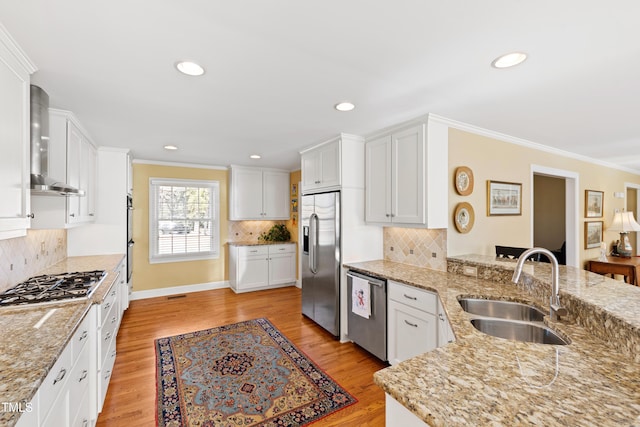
[255, 156]
[190, 68]
[170, 147]
[509, 60]
[344, 106]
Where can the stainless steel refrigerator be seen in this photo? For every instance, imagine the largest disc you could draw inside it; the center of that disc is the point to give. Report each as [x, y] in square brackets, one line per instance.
[320, 220]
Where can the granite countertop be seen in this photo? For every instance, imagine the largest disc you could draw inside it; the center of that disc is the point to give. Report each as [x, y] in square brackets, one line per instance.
[28, 353]
[259, 243]
[483, 380]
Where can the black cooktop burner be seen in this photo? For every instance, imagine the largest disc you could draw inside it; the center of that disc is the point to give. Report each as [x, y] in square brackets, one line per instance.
[53, 288]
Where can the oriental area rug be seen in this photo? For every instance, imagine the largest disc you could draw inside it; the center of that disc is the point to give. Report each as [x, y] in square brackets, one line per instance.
[244, 374]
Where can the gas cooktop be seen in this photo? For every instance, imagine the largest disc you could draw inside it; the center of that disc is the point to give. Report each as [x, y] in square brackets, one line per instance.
[57, 287]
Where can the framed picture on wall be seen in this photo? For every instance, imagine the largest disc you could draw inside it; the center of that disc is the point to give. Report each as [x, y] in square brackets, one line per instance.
[592, 234]
[504, 198]
[593, 203]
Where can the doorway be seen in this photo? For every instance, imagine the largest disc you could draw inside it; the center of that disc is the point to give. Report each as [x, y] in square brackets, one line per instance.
[555, 212]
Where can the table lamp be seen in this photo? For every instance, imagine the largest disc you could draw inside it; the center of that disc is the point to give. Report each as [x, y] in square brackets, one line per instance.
[624, 223]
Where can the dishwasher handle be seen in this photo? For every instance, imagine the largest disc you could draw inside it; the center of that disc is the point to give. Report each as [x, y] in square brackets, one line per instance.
[372, 280]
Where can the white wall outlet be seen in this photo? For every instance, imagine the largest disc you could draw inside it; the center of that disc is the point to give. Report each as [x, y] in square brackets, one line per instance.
[467, 270]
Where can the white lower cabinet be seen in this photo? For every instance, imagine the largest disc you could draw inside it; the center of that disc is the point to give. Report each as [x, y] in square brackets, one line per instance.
[416, 322]
[56, 402]
[398, 415]
[109, 315]
[253, 268]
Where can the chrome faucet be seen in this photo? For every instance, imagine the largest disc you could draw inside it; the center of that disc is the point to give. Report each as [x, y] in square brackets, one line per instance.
[555, 309]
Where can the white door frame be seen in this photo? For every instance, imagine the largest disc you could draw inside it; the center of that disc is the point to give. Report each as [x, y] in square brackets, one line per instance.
[571, 208]
[636, 187]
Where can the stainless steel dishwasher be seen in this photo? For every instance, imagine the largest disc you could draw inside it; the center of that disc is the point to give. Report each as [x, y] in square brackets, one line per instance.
[371, 333]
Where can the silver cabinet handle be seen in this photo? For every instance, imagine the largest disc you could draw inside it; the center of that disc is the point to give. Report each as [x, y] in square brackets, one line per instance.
[410, 324]
[113, 319]
[410, 297]
[83, 336]
[108, 374]
[106, 338]
[30, 216]
[83, 376]
[72, 215]
[60, 376]
[441, 316]
[106, 306]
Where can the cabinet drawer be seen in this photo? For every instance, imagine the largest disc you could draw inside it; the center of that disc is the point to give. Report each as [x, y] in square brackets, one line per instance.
[82, 418]
[79, 380]
[108, 303]
[108, 334]
[281, 249]
[81, 337]
[54, 383]
[105, 373]
[413, 297]
[244, 251]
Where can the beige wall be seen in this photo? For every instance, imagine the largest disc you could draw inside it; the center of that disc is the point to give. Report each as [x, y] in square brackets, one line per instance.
[490, 159]
[154, 276]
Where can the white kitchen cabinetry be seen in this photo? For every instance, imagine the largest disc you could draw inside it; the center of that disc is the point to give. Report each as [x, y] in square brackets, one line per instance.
[15, 69]
[68, 383]
[258, 194]
[108, 323]
[321, 167]
[411, 321]
[406, 175]
[445, 332]
[73, 158]
[259, 267]
[398, 415]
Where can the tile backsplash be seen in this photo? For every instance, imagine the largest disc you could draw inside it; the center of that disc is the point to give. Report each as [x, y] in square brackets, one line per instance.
[249, 231]
[416, 246]
[23, 257]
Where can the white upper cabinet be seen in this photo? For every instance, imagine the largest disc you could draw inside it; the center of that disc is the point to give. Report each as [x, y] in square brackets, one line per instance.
[15, 69]
[256, 193]
[73, 158]
[321, 167]
[406, 175]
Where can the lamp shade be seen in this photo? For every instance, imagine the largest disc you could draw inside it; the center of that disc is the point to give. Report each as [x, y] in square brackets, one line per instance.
[624, 222]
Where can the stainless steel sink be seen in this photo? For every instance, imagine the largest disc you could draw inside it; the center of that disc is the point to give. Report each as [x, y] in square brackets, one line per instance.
[501, 309]
[519, 331]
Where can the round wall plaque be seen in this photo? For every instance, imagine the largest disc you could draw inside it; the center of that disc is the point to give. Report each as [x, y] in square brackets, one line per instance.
[463, 181]
[463, 217]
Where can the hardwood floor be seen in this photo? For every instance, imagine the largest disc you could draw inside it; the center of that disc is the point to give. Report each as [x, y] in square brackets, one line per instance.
[131, 396]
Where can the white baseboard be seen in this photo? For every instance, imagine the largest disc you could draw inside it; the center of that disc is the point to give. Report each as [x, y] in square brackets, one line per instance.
[174, 290]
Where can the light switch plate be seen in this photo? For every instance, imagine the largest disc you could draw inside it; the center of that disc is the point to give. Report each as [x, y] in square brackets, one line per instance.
[470, 271]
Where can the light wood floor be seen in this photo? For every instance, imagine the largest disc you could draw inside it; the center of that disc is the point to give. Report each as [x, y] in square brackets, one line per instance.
[131, 397]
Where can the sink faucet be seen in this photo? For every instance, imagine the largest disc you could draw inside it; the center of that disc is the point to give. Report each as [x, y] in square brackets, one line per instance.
[555, 309]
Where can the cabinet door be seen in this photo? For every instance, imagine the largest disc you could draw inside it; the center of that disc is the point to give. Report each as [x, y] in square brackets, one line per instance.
[246, 194]
[408, 176]
[282, 264]
[378, 180]
[14, 134]
[88, 178]
[310, 170]
[253, 271]
[275, 195]
[74, 161]
[445, 333]
[330, 164]
[410, 332]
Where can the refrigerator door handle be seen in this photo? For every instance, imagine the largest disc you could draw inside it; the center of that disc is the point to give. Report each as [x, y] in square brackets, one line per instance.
[313, 243]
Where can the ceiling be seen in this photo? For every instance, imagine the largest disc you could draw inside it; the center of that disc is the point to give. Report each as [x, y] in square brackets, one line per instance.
[275, 69]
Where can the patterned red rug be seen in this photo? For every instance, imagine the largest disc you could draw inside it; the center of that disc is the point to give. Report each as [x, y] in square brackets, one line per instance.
[244, 374]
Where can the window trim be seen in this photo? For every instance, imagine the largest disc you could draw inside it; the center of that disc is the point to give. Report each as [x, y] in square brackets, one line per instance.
[214, 186]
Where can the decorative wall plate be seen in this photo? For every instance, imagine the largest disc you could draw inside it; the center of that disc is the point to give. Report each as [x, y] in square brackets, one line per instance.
[463, 180]
[463, 217]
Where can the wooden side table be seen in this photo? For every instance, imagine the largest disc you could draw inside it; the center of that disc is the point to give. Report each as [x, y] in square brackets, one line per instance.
[627, 267]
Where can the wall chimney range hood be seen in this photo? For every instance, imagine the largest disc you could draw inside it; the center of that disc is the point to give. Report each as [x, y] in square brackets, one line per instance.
[41, 182]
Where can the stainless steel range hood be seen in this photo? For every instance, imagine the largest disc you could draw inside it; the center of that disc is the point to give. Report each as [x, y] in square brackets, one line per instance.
[41, 182]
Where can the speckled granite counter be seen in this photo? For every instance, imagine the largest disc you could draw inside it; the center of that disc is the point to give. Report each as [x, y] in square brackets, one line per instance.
[28, 353]
[481, 380]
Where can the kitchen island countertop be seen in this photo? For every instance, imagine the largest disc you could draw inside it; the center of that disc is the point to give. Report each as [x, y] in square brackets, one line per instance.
[483, 380]
[27, 353]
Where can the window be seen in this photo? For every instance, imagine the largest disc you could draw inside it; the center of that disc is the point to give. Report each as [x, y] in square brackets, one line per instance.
[183, 220]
